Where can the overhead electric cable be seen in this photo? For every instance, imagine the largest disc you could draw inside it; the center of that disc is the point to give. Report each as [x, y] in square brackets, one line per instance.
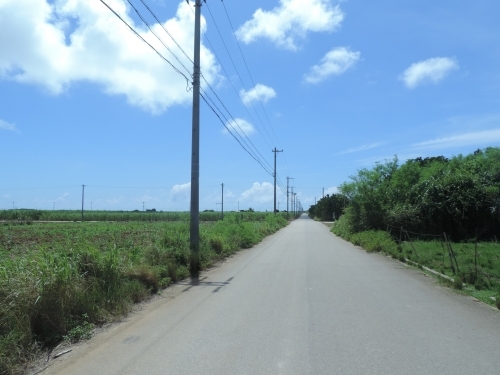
[206, 102]
[208, 84]
[256, 158]
[248, 70]
[228, 122]
[157, 36]
[242, 83]
[251, 78]
[171, 37]
[144, 40]
[236, 122]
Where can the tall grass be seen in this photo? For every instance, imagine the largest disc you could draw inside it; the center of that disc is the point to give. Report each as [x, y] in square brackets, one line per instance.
[58, 277]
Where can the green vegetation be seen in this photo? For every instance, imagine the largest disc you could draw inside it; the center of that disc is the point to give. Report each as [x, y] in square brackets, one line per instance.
[59, 279]
[329, 208]
[27, 215]
[440, 213]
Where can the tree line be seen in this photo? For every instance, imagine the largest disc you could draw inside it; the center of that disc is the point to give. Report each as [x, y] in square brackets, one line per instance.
[458, 195]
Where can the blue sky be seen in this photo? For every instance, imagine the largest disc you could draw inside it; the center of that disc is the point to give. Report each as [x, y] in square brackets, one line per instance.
[338, 86]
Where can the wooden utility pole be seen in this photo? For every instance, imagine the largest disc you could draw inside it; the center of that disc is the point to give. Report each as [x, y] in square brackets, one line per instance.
[287, 193]
[194, 233]
[275, 154]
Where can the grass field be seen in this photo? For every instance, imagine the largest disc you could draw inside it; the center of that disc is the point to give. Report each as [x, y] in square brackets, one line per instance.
[76, 215]
[479, 266]
[59, 279]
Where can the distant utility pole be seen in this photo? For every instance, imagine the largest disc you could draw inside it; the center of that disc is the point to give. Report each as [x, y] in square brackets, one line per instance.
[83, 199]
[222, 209]
[143, 206]
[194, 231]
[295, 204]
[275, 153]
[287, 183]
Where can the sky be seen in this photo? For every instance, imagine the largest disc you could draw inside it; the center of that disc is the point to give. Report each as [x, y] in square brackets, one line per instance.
[336, 85]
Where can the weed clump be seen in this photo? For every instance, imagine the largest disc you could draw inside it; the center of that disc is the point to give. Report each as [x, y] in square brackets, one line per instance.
[457, 283]
[375, 241]
[81, 331]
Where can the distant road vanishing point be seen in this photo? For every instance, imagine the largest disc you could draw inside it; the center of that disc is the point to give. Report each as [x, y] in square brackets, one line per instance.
[301, 302]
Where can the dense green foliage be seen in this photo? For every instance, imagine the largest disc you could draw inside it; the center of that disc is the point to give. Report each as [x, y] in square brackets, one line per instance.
[329, 207]
[58, 279]
[459, 196]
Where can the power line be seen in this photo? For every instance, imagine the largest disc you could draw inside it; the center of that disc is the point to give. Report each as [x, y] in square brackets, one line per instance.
[248, 70]
[171, 37]
[42, 188]
[208, 84]
[236, 122]
[157, 36]
[239, 77]
[144, 40]
[237, 140]
[253, 82]
[214, 106]
[178, 71]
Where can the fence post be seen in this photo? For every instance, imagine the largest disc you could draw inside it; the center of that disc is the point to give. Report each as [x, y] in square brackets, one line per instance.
[409, 240]
[449, 253]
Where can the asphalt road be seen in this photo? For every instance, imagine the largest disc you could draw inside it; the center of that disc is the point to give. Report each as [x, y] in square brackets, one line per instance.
[301, 302]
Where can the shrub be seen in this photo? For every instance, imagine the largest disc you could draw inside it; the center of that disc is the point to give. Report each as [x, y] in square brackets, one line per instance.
[375, 241]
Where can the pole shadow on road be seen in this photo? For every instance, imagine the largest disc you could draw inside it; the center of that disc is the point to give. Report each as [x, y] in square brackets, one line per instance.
[196, 281]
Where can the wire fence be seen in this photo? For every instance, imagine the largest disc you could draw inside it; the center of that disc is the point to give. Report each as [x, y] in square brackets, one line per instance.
[473, 262]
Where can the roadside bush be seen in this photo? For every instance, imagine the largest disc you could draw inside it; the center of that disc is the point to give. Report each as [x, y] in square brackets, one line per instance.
[342, 227]
[375, 241]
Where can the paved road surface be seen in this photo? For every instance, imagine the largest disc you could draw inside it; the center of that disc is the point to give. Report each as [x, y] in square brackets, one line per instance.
[301, 302]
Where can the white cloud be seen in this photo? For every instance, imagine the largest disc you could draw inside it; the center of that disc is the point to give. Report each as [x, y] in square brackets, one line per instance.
[259, 193]
[6, 126]
[54, 44]
[331, 190]
[431, 70]
[259, 92]
[335, 62]
[291, 21]
[475, 139]
[239, 125]
[361, 148]
[62, 198]
[180, 192]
